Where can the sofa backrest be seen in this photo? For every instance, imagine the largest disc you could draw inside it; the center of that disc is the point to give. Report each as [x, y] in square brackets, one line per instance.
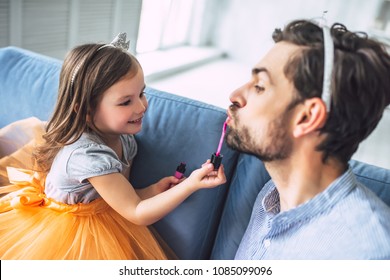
[28, 84]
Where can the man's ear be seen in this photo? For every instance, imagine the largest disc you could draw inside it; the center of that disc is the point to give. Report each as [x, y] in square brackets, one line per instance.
[310, 117]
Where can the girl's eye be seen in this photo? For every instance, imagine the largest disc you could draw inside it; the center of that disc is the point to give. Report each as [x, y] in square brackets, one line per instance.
[259, 88]
[142, 94]
[125, 103]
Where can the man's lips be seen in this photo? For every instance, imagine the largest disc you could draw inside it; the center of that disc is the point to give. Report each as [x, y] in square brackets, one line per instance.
[229, 117]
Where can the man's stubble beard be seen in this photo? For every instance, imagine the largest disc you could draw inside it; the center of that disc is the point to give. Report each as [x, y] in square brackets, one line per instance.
[276, 145]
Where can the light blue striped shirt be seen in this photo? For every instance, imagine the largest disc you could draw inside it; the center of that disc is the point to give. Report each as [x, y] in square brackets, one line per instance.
[346, 221]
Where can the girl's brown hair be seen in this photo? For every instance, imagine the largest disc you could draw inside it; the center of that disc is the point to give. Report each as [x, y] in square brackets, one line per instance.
[94, 70]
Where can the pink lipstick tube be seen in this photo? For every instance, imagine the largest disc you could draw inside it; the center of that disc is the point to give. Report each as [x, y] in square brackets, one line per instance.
[180, 170]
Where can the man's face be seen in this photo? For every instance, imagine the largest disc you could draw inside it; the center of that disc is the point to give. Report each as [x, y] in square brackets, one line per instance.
[259, 118]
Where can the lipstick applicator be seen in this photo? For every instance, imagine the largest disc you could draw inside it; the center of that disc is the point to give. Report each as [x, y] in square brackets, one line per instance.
[216, 158]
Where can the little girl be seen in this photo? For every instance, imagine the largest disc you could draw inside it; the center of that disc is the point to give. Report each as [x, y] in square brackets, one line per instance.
[87, 208]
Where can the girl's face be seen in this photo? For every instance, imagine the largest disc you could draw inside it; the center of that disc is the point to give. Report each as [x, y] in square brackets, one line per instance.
[122, 107]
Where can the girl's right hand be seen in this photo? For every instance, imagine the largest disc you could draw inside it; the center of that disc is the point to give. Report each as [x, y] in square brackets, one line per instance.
[206, 176]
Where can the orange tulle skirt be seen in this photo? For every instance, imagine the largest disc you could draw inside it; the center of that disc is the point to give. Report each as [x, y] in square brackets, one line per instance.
[33, 226]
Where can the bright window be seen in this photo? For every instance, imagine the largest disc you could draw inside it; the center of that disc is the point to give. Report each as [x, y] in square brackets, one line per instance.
[165, 24]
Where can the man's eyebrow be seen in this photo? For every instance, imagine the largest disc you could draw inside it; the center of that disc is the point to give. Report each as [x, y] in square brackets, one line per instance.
[256, 71]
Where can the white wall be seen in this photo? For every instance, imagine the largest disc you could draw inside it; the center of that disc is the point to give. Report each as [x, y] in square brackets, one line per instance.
[246, 26]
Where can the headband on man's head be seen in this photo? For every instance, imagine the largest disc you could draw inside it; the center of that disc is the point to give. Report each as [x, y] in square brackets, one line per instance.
[328, 63]
[328, 67]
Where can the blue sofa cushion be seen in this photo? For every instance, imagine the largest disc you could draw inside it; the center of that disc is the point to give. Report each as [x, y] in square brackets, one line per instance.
[29, 85]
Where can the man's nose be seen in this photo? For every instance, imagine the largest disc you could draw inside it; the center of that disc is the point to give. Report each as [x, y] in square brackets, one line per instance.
[238, 97]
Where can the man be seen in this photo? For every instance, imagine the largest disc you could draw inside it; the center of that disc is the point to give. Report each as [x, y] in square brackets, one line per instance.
[311, 100]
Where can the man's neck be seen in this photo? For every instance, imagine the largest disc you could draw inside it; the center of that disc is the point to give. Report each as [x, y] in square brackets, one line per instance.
[301, 177]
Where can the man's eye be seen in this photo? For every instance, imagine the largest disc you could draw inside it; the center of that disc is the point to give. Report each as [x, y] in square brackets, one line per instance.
[259, 88]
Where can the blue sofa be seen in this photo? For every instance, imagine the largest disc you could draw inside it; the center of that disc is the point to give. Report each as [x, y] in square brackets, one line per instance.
[210, 223]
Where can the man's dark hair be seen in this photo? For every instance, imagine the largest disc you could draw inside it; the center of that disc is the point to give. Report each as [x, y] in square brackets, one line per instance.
[360, 82]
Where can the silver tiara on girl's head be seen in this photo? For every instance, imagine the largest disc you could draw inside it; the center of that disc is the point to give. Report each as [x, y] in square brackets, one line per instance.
[118, 42]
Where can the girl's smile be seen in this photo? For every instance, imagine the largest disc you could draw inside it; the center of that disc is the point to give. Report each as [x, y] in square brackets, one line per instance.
[137, 121]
